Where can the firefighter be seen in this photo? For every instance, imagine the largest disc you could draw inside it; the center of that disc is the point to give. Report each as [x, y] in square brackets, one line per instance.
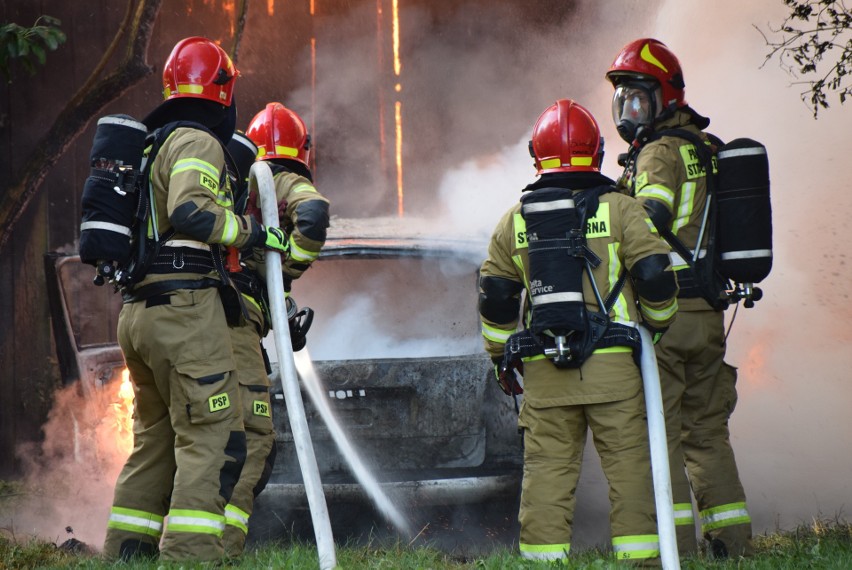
[664, 171]
[189, 442]
[604, 394]
[279, 137]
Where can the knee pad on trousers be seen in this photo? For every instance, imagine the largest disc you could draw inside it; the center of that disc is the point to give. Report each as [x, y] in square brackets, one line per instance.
[267, 470]
[135, 548]
[231, 470]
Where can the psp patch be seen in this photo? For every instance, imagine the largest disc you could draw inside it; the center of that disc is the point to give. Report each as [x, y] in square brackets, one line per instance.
[208, 182]
[261, 408]
[219, 402]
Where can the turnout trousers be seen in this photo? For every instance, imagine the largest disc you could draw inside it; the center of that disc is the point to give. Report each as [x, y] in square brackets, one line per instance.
[254, 388]
[554, 440]
[699, 396]
[189, 443]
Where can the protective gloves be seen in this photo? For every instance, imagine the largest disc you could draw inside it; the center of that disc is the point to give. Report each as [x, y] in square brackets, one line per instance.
[506, 377]
[276, 239]
[656, 333]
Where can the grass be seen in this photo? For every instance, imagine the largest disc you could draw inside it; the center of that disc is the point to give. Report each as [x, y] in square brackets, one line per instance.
[823, 544]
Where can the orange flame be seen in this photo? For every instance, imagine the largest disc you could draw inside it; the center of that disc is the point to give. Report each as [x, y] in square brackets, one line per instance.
[399, 192]
[122, 412]
[270, 7]
[397, 69]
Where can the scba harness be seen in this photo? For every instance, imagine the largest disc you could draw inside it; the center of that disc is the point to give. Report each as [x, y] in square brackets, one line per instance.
[116, 206]
[736, 227]
[560, 326]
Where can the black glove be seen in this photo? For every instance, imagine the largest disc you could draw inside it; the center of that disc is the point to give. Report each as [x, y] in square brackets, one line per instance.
[506, 377]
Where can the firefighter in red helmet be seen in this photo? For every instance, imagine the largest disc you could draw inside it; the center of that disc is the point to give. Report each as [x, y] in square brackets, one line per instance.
[589, 269]
[279, 137]
[189, 441]
[666, 169]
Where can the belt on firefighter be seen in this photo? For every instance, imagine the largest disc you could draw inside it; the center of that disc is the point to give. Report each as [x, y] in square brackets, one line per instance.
[159, 288]
[182, 259]
[525, 344]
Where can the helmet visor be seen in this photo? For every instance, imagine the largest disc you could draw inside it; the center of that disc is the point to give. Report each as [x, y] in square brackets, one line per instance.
[635, 103]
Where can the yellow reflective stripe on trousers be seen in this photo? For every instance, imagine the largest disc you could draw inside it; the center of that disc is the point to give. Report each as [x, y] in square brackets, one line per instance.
[135, 521]
[724, 515]
[496, 335]
[683, 514]
[636, 547]
[544, 551]
[200, 522]
[237, 517]
[301, 254]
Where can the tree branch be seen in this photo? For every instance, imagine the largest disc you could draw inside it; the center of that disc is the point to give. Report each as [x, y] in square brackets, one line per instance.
[82, 107]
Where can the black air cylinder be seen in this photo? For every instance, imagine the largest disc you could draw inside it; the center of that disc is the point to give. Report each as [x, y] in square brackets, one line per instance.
[110, 196]
[556, 275]
[745, 215]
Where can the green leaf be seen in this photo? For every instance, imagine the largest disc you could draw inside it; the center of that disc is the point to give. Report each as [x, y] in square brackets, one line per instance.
[38, 51]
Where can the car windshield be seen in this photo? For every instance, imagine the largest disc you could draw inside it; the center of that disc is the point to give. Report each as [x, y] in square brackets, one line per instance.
[386, 307]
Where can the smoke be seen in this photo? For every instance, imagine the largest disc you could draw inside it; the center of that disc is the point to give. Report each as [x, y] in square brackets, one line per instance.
[475, 76]
[791, 424]
[70, 476]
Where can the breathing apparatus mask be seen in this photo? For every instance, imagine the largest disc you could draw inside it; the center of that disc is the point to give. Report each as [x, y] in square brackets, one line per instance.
[635, 105]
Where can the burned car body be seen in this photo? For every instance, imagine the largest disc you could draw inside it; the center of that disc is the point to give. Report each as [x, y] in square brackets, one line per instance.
[395, 342]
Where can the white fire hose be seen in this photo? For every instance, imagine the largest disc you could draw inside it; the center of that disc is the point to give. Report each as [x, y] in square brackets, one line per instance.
[260, 177]
[659, 453]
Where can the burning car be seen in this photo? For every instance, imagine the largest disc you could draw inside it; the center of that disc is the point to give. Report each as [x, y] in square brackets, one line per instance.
[395, 343]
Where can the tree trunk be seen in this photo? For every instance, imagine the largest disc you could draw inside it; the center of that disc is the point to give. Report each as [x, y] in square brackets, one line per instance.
[74, 118]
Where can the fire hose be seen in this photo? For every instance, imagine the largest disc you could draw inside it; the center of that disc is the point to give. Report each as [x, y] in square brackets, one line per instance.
[260, 178]
[659, 453]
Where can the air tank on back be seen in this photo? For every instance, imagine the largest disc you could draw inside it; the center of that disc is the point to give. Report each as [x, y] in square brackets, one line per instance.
[745, 214]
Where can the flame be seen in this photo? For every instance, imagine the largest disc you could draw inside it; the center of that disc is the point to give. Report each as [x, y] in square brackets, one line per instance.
[399, 192]
[397, 64]
[270, 7]
[121, 410]
[397, 69]
[753, 370]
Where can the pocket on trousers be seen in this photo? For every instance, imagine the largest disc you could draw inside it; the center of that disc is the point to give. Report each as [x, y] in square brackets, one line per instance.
[210, 391]
[257, 407]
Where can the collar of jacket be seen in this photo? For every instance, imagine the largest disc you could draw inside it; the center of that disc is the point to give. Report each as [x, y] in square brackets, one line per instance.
[570, 180]
[683, 116]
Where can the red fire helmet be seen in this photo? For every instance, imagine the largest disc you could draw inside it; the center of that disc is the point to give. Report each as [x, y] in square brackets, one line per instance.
[279, 132]
[197, 67]
[566, 138]
[645, 59]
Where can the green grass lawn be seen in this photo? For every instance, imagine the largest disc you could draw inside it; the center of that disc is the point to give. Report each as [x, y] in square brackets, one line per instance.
[823, 544]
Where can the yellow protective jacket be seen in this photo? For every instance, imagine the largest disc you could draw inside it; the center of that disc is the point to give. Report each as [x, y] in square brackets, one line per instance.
[624, 239]
[192, 195]
[670, 180]
[305, 220]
